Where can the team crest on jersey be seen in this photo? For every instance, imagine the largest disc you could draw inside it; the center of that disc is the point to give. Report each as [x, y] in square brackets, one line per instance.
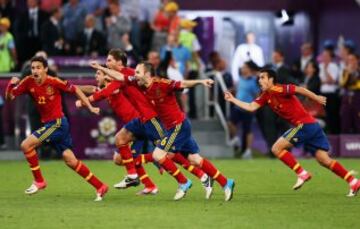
[49, 90]
[32, 90]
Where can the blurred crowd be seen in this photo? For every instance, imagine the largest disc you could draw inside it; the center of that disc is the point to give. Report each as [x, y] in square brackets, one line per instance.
[153, 30]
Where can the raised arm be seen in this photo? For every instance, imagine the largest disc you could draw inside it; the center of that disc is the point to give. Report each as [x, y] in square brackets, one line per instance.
[87, 89]
[193, 83]
[15, 88]
[305, 92]
[85, 100]
[253, 106]
[111, 73]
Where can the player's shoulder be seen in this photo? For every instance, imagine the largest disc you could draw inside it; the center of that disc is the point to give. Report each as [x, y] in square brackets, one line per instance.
[55, 80]
[160, 80]
[277, 88]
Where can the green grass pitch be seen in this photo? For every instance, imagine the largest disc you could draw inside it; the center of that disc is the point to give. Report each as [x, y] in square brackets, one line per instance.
[263, 199]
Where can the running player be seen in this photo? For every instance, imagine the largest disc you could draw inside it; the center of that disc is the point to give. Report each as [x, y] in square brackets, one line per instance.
[125, 112]
[147, 126]
[282, 100]
[45, 91]
[161, 92]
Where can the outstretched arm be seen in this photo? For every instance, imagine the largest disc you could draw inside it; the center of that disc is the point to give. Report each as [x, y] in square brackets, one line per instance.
[85, 100]
[193, 83]
[309, 94]
[87, 89]
[253, 106]
[112, 73]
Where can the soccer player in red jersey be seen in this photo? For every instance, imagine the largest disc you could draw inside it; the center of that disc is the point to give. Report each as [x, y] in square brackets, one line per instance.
[161, 92]
[45, 90]
[147, 125]
[306, 131]
[112, 92]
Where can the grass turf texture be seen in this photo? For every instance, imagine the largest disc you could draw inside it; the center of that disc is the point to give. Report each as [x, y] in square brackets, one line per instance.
[263, 199]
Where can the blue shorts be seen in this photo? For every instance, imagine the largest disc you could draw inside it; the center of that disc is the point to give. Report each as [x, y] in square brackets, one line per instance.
[139, 147]
[310, 135]
[56, 133]
[152, 129]
[179, 139]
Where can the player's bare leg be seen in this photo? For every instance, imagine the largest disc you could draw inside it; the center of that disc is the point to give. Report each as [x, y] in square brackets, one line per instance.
[323, 158]
[185, 184]
[28, 147]
[80, 168]
[122, 141]
[203, 163]
[279, 149]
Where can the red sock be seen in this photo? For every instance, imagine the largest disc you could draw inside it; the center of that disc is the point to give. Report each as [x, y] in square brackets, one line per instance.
[127, 159]
[33, 160]
[286, 157]
[339, 170]
[144, 158]
[180, 159]
[144, 178]
[212, 171]
[83, 171]
[171, 168]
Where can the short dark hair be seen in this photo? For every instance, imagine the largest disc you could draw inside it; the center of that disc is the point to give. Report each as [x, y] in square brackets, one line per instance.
[148, 67]
[39, 59]
[118, 54]
[270, 73]
[252, 65]
[315, 66]
[279, 51]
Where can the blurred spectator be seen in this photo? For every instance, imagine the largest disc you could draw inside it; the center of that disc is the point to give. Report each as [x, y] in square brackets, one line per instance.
[96, 8]
[312, 82]
[189, 40]
[27, 30]
[131, 9]
[345, 49]
[180, 54]
[283, 71]
[160, 25]
[218, 64]
[153, 58]
[50, 5]
[117, 25]
[307, 55]
[73, 22]
[51, 34]
[6, 10]
[149, 9]
[247, 90]
[171, 9]
[329, 75]
[90, 41]
[350, 104]
[246, 52]
[133, 57]
[8, 55]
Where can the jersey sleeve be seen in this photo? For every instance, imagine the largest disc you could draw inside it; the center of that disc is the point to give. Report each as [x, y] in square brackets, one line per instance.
[107, 91]
[19, 89]
[261, 100]
[289, 89]
[64, 85]
[175, 85]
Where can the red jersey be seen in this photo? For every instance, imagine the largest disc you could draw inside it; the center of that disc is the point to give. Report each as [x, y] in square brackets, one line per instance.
[113, 92]
[46, 95]
[137, 98]
[161, 93]
[282, 100]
